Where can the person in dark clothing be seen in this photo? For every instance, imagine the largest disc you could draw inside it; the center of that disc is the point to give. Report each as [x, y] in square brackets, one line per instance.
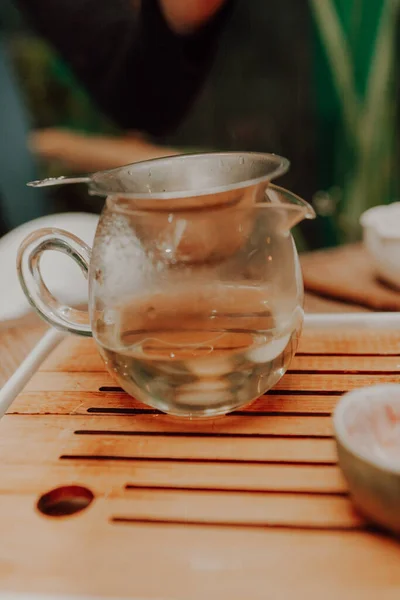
[143, 66]
[279, 82]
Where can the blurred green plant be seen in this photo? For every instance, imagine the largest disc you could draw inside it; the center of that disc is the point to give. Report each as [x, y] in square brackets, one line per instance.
[358, 41]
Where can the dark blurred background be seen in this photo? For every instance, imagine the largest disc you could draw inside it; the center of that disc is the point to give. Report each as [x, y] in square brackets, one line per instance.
[274, 86]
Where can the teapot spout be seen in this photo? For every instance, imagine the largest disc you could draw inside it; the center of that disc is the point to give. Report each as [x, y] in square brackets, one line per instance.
[292, 208]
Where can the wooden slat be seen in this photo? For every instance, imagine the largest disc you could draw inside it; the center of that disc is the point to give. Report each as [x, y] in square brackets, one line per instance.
[231, 427]
[91, 382]
[75, 355]
[256, 477]
[76, 403]
[351, 341]
[266, 450]
[236, 508]
[331, 383]
[52, 436]
[92, 362]
[17, 338]
[347, 364]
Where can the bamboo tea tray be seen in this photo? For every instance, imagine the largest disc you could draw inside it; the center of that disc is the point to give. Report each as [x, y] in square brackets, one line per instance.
[251, 505]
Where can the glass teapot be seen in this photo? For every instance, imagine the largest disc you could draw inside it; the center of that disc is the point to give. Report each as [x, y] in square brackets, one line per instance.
[195, 287]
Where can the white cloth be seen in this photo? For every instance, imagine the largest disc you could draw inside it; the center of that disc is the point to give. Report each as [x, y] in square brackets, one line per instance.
[60, 273]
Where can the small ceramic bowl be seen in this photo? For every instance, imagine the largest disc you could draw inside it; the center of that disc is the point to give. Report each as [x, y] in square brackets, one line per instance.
[381, 236]
[367, 428]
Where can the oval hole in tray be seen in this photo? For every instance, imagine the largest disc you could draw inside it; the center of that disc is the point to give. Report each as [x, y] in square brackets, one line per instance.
[65, 501]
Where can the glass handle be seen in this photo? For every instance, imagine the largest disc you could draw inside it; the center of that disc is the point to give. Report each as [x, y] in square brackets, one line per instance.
[49, 308]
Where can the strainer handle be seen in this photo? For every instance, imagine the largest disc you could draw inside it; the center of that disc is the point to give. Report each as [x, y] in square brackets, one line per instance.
[49, 308]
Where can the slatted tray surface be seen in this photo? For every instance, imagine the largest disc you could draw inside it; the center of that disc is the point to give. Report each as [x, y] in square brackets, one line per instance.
[251, 505]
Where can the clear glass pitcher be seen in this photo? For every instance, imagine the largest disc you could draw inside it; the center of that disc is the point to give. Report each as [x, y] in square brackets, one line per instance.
[195, 287]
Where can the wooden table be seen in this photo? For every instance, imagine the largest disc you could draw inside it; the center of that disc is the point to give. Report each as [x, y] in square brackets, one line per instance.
[17, 338]
[102, 495]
